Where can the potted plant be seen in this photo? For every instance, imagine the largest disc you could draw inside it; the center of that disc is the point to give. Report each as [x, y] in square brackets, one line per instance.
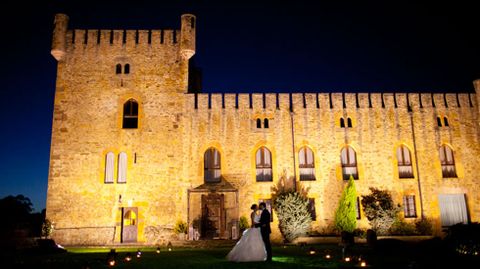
[180, 229]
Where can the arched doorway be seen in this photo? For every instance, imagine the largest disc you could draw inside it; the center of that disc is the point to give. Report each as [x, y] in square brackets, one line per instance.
[129, 224]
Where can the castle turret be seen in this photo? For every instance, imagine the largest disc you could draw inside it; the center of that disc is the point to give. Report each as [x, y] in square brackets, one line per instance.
[187, 36]
[59, 36]
[476, 85]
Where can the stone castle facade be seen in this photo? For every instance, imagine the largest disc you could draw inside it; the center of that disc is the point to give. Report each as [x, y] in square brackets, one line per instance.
[133, 151]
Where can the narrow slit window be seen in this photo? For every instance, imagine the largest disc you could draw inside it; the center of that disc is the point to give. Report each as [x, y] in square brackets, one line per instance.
[439, 122]
[126, 69]
[349, 122]
[342, 123]
[259, 123]
[266, 123]
[445, 122]
[118, 69]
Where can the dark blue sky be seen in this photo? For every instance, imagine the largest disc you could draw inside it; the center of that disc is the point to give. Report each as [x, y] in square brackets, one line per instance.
[241, 46]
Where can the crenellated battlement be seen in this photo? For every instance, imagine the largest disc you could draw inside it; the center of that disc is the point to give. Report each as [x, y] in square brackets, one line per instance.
[131, 38]
[67, 40]
[297, 101]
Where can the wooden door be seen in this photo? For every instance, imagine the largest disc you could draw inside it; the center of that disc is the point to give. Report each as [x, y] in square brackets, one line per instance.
[213, 218]
[129, 224]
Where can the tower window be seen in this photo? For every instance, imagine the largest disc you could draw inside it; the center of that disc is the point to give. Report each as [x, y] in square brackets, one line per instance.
[126, 69]
[445, 121]
[118, 69]
[349, 122]
[259, 123]
[130, 114]
[122, 168]
[109, 166]
[265, 123]
[439, 122]
[342, 123]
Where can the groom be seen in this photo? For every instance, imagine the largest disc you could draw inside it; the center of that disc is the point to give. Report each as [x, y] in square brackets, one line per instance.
[265, 230]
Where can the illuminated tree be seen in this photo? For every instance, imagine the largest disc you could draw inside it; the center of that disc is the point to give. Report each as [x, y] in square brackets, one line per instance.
[346, 214]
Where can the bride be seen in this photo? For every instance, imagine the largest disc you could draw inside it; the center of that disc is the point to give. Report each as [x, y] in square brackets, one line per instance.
[250, 247]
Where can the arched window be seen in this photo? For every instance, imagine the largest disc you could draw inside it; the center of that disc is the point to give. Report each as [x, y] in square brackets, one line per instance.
[126, 69]
[405, 169]
[349, 122]
[109, 166]
[118, 69]
[439, 122]
[447, 161]
[212, 172]
[263, 164]
[122, 168]
[307, 164]
[259, 123]
[445, 122]
[265, 123]
[130, 114]
[342, 123]
[349, 163]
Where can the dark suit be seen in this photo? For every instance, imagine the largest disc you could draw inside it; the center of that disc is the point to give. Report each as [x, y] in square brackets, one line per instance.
[266, 231]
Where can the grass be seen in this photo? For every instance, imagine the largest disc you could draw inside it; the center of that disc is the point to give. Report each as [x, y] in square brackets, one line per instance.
[290, 257]
[388, 255]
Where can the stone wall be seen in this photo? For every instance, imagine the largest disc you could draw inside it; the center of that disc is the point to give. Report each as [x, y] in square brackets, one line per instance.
[165, 153]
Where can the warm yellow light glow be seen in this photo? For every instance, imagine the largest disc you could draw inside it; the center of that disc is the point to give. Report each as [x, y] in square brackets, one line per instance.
[363, 264]
[158, 250]
[312, 252]
[169, 249]
[347, 259]
[128, 258]
[328, 256]
[111, 263]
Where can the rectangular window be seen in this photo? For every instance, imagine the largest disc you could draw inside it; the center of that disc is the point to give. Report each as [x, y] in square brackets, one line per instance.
[268, 202]
[357, 207]
[311, 208]
[409, 209]
[453, 209]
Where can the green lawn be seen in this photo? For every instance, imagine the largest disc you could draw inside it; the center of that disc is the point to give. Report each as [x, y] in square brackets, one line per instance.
[385, 256]
[290, 257]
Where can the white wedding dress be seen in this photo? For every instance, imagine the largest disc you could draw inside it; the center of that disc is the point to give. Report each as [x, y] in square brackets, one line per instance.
[250, 248]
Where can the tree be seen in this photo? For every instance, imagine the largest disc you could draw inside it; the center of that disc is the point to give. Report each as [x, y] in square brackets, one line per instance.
[346, 214]
[16, 210]
[292, 210]
[380, 210]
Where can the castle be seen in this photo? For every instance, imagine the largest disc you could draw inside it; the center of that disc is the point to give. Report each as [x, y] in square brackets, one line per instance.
[133, 151]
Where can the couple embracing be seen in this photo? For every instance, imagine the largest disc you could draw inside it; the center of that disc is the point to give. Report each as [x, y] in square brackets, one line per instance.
[255, 242]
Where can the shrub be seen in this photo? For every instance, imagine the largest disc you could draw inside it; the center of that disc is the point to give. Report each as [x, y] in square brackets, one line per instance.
[293, 215]
[380, 210]
[180, 227]
[401, 227]
[243, 224]
[292, 209]
[346, 215]
[47, 228]
[424, 226]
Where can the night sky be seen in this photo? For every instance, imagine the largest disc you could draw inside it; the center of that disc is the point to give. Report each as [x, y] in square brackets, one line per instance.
[242, 46]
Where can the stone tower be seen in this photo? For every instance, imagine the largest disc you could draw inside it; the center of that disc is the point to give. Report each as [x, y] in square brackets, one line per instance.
[118, 104]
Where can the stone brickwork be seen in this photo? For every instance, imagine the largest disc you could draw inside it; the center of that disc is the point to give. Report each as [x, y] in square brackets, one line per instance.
[165, 153]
